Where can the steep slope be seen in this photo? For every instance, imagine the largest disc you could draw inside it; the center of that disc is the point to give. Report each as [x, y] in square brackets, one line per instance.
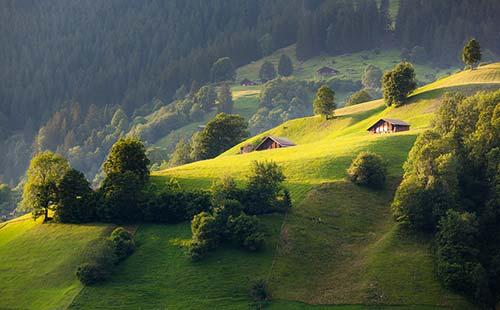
[38, 262]
[337, 246]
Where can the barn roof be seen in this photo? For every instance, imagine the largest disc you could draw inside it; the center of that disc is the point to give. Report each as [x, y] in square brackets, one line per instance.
[392, 121]
[281, 141]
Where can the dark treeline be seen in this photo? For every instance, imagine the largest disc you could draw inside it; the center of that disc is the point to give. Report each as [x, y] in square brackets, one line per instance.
[442, 27]
[124, 52]
[134, 56]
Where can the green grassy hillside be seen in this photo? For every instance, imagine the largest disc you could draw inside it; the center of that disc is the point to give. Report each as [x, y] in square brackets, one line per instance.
[38, 262]
[338, 248]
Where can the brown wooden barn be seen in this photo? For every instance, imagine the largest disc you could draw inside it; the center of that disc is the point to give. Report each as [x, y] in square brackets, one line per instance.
[388, 125]
[271, 142]
[326, 71]
[247, 82]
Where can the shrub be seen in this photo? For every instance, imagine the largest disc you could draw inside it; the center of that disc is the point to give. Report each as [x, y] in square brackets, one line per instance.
[99, 264]
[368, 169]
[92, 273]
[123, 243]
[358, 97]
[205, 229]
[245, 231]
[264, 185]
[259, 290]
[198, 249]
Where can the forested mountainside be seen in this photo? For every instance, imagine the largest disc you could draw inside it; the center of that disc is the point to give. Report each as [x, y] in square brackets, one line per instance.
[67, 61]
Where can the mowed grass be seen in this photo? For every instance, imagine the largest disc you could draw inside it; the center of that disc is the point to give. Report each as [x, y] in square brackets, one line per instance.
[38, 262]
[160, 275]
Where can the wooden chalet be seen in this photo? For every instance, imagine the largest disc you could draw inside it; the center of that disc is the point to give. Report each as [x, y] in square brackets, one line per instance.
[326, 71]
[388, 125]
[247, 82]
[271, 142]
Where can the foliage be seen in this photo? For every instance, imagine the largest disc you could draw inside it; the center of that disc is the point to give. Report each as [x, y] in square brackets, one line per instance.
[8, 201]
[206, 231]
[220, 134]
[206, 97]
[120, 198]
[128, 155]
[123, 243]
[259, 290]
[264, 185]
[398, 83]
[99, 264]
[76, 202]
[175, 206]
[372, 77]
[40, 191]
[280, 100]
[324, 104]
[181, 154]
[224, 189]
[368, 169]
[285, 65]
[450, 185]
[471, 53]
[223, 70]
[456, 250]
[225, 102]
[358, 97]
[244, 230]
[267, 72]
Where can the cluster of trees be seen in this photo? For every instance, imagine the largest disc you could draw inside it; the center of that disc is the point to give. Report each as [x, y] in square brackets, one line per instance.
[339, 27]
[440, 28]
[232, 217]
[280, 100]
[450, 189]
[220, 134]
[99, 263]
[267, 70]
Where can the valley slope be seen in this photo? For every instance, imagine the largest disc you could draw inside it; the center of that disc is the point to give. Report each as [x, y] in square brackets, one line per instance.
[338, 247]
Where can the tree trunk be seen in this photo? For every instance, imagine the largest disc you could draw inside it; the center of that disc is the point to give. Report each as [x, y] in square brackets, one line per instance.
[46, 215]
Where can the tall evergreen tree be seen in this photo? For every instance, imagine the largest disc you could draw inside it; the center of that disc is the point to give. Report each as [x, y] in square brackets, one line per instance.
[285, 66]
[471, 53]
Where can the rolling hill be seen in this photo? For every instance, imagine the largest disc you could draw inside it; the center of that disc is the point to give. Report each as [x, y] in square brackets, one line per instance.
[338, 247]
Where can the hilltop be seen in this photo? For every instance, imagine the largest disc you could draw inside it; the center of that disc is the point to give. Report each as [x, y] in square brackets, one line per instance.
[337, 247]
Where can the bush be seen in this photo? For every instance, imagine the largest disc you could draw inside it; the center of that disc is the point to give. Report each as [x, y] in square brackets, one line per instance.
[358, 97]
[264, 185]
[198, 249]
[206, 229]
[99, 264]
[92, 273]
[176, 206]
[245, 231]
[368, 169]
[123, 242]
[259, 290]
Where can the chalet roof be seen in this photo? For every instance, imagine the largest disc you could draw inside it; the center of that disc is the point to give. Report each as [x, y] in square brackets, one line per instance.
[392, 121]
[281, 141]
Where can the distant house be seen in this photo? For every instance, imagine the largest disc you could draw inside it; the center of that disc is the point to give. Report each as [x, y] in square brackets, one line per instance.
[388, 125]
[326, 71]
[247, 82]
[246, 149]
[271, 142]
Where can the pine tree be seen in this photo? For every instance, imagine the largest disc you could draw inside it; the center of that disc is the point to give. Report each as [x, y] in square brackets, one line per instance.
[285, 66]
[471, 53]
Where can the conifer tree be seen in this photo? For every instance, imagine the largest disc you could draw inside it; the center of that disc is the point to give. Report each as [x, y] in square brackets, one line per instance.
[285, 66]
[471, 53]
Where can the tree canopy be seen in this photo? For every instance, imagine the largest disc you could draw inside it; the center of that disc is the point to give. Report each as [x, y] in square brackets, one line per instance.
[221, 133]
[267, 71]
[398, 83]
[285, 65]
[324, 104]
[128, 155]
[471, 53]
